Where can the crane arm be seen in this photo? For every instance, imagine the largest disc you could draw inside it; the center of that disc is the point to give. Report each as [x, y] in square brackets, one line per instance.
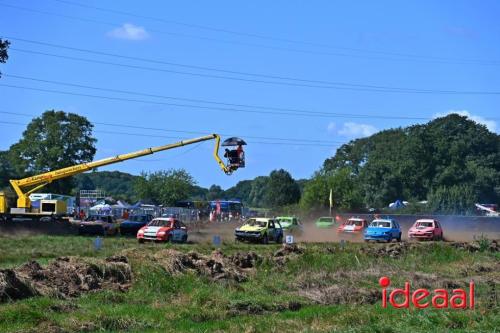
[38, 181]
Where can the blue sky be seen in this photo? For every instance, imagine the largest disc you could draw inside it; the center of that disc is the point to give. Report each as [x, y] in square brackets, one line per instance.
[431, 45]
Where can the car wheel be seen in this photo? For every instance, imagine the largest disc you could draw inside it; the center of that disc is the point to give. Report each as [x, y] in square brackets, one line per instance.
[399, 238]
[265, 240]
[140, 240]
[184, 239]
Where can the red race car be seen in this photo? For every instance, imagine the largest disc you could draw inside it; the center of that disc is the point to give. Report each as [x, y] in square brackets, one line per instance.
[426, 229]
[354, 224]
[163, 229]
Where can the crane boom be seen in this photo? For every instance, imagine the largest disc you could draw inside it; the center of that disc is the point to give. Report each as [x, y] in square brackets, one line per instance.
[36, 182]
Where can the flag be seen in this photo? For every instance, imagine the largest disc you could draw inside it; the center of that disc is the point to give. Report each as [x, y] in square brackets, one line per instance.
[331, 198]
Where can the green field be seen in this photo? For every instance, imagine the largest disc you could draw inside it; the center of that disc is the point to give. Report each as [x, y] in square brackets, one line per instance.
[324, 289]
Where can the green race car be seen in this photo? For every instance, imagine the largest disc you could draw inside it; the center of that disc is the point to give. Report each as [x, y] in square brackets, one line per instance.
[325, 222]
[289, 223]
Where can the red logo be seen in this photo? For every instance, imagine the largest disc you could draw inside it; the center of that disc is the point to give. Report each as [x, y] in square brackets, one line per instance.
[440, 299]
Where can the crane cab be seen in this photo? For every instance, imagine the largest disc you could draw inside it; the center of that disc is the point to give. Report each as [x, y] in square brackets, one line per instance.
[234, 153]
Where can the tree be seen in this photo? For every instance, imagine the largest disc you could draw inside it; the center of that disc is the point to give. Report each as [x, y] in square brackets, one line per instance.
[256, 197]
[6, 169]
[281, 189]
[4, 45]
[345, 189]
[165, 187]
[215, 192]
[52, 141]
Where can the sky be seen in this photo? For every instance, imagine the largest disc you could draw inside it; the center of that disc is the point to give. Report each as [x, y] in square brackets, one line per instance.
[295, 79]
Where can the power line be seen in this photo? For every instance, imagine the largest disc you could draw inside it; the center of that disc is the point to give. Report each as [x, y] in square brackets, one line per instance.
[182, 138]
[321, 115]
[129, 92]
[319, 84]
[183, 131]
[264, 37]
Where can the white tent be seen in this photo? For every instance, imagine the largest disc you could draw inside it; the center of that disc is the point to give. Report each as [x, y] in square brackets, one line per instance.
[102, 207]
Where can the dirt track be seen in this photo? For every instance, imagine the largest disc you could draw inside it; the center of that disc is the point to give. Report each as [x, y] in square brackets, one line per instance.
[459, 229]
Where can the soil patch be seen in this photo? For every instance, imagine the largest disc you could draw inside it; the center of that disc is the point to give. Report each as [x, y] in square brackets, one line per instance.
[216, 266]
[64, 277]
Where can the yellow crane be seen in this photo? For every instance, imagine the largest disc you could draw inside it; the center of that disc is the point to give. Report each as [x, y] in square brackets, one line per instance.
[26, 186]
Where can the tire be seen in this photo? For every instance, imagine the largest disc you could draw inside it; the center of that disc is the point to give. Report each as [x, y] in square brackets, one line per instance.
[184, 239]
[399, 238]
[265, 240]
[141, 240]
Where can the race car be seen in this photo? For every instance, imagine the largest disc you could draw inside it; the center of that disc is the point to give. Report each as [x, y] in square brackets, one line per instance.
[163, 229]
[99, 225]
[289, 222]
[353, 225]
[325, 222]
[135, 222]
[260, 230]
[428, 229]
[383, 230]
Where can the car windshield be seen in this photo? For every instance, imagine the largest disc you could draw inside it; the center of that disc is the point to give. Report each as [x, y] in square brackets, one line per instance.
[255, 223]
[381, 224]
[421, 225]
[285, 220]
[358, 223]
[325, 219]
[138, 218]
[159, 223]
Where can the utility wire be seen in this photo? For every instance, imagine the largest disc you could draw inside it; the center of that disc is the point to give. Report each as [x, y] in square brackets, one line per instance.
[325, 115]
[129, 92]
[121, 125]
[183, 138]
[283, 80]
[399, 56]
[253, 35]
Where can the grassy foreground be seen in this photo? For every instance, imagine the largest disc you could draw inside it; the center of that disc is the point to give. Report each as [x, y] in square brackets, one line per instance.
[292, 296]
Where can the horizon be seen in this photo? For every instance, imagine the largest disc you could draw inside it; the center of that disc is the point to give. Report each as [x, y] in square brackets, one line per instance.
[295, 82]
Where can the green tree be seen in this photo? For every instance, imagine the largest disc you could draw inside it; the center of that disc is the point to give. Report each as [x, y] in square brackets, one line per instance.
[256, 197]
[52, 141]
[4, 56]
[165, 187]
[345, 191]
[215, 192]
[281, 189]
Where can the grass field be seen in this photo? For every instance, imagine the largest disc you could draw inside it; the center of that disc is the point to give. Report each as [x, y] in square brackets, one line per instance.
[324, 289]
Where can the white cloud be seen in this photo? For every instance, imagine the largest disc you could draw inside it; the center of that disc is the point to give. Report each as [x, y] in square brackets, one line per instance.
[490, 124]
[130, 32]
[331, 127]
[355, 130]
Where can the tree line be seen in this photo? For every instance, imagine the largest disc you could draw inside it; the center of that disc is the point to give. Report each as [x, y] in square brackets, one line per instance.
[450, 162]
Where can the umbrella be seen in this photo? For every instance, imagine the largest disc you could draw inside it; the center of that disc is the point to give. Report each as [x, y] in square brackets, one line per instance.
[234, 141]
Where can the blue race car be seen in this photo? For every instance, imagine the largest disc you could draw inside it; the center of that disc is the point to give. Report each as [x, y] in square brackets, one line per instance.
[383, 230]
[134, 223]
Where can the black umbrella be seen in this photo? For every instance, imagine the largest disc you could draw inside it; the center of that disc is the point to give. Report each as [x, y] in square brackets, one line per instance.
[234, 141]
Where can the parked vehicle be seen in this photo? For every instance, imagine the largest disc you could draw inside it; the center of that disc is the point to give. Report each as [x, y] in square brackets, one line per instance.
[428, 229]
[135, 222]
[99, 225]
[163, 229]
[289, 223]
[260, 230]
[325, 222]
[353, 225]
[383, 230]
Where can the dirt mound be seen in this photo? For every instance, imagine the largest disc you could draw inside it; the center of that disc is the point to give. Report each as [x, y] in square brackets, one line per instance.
[288, 249]
[64, 277]
[216, 267]
[394, 250]
[336, 294]
[485, 245]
